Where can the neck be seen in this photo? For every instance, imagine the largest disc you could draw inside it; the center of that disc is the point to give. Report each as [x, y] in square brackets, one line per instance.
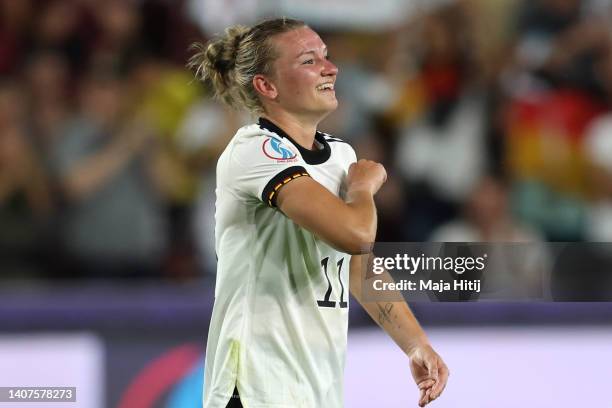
[302, 131]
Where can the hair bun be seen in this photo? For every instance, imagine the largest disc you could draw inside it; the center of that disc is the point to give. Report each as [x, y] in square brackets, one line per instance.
[228, 63]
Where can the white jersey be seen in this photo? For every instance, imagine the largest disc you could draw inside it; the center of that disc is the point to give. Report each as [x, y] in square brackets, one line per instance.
[280, 318]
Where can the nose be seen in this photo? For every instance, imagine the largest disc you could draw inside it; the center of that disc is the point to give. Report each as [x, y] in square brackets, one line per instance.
[329, 68]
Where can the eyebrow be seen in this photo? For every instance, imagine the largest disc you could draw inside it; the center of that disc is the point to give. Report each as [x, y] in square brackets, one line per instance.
[310, 52]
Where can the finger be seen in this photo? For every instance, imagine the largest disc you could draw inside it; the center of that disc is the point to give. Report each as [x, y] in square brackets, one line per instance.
[426, 384]
[422, 398]
[441, 383]
[433, 395]
[428, 396]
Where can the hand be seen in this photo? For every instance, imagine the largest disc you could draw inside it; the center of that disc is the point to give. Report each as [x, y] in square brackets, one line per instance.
[365, 175]
[429, 372]
[136, 135]
[16, 157]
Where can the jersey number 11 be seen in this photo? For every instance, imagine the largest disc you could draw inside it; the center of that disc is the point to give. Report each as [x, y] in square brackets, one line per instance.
[330, 303]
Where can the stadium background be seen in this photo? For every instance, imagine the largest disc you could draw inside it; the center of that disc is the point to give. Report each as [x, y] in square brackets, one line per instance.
[492, 117]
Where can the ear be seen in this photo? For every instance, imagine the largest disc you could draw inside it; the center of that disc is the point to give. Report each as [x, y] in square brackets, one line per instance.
[264, 87]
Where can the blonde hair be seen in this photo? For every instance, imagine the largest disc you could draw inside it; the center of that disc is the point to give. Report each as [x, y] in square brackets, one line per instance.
[228, 64]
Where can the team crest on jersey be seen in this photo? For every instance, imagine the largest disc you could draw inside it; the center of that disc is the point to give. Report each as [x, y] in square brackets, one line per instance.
[277, 150]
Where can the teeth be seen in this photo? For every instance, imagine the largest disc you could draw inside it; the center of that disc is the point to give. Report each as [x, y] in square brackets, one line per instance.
[327, 85]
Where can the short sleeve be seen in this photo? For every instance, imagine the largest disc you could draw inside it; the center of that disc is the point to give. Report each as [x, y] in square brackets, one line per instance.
[265, 164]
[350, 157]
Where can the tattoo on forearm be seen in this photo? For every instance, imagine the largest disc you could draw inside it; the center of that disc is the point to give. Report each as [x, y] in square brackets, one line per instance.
[384, 313]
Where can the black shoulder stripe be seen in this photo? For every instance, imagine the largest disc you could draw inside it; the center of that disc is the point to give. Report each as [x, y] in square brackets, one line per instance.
[270, 192]
[337, 140]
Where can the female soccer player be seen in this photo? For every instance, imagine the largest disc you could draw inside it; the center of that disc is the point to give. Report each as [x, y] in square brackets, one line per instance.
[294, 211]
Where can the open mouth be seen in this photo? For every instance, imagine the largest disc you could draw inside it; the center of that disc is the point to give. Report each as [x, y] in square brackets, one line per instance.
[326, 87]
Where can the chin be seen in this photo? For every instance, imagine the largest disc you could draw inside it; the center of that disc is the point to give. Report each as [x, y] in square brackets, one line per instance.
[329, 108]
[331, 105]
[322, 108]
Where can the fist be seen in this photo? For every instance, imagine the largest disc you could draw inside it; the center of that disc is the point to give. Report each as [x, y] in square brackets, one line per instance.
[366, 175]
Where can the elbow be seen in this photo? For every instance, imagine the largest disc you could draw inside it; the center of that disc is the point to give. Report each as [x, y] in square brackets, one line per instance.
[358, 242]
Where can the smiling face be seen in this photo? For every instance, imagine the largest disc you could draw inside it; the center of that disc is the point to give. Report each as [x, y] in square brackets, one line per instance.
[303, 78]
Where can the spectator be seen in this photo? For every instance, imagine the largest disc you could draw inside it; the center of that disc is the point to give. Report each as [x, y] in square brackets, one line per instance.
[114, 220]
[118, 43]
[59, 27]
[47, 80]
[487, 218]
[441, 151]
[25, 200]
[558, 42]
[513, 271]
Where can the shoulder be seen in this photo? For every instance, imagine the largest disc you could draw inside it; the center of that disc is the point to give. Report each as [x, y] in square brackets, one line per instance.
[250, 133]
[333, 139]
[341, 149]
[247, 139]
[254, 154]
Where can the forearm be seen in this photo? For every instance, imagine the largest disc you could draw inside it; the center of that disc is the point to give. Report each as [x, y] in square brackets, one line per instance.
[394, 317]
[347, 226]
[399, 322]
[363, 215]
[91, 173]
[350, 225]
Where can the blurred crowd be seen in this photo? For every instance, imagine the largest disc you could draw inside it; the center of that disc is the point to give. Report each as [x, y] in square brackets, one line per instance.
[492, 117]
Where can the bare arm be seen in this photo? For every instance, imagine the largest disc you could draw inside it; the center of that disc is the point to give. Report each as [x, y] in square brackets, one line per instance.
[395, 318]
[348, 226]
[91, 173]
[20, 170]
[428, 369]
